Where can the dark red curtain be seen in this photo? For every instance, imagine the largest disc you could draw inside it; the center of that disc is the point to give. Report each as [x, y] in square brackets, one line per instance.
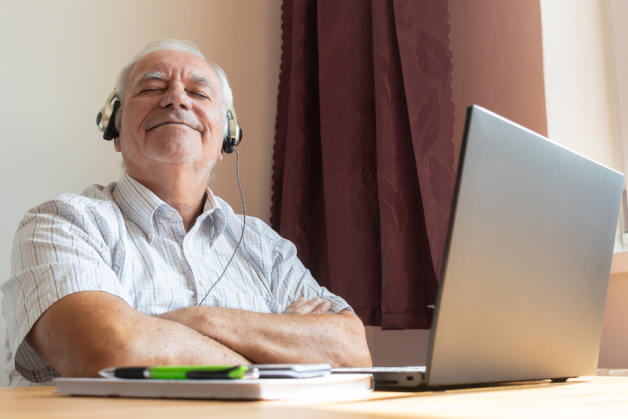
[363, 161]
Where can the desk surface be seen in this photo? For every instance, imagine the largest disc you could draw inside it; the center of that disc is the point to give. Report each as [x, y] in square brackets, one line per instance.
[586, 397]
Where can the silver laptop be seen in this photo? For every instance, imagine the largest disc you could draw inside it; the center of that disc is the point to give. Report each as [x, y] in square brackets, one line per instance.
[527, 264]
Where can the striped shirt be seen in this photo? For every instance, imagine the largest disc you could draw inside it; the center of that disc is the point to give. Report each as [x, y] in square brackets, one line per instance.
[122, 239]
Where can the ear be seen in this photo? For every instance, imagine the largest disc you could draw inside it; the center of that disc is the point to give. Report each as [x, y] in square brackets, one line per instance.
[116, 144]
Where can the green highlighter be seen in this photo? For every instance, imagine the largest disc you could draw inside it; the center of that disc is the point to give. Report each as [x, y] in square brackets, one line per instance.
[184, 372]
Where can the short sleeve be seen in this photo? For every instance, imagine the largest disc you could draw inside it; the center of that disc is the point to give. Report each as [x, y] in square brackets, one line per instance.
[294, 281]
[58, 250]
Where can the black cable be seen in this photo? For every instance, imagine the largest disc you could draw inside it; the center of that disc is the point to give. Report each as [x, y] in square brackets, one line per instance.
[243, 226]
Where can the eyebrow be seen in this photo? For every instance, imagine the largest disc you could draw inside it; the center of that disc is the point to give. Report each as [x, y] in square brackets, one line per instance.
[152, 75]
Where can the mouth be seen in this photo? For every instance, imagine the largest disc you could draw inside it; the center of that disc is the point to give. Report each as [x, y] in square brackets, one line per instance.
[170, 123]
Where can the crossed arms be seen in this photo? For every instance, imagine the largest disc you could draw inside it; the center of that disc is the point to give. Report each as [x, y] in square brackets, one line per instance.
[89, 331]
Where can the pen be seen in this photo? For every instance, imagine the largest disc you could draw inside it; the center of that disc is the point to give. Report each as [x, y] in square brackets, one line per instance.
[183, 372]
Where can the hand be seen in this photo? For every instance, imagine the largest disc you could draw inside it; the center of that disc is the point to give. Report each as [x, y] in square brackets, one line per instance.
[314, 306]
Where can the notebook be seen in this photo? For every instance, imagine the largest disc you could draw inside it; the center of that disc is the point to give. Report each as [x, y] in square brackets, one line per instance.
[342, 387]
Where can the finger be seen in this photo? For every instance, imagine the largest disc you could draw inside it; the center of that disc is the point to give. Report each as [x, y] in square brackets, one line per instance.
[322, 308]
[298, 303]
[308, 307]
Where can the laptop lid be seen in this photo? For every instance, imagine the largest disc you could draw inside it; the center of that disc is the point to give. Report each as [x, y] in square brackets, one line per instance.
[528, 259]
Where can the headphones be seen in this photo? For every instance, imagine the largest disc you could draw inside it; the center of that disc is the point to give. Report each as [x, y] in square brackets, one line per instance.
[106, 121]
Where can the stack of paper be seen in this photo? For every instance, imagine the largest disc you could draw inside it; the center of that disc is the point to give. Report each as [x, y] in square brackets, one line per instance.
[331, 386]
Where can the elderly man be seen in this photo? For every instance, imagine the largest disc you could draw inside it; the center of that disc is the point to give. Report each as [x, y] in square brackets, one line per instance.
[127, 274]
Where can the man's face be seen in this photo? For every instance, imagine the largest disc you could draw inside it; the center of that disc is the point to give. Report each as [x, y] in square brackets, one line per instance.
[171, 113]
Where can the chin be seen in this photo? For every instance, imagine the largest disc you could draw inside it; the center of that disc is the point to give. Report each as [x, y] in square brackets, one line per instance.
[175, 150]
[176, 158]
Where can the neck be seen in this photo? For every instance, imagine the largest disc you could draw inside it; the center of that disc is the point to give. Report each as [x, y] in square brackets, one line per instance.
[182, 187]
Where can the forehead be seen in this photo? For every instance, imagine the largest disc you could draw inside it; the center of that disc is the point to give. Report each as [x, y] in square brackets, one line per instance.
[174, 64]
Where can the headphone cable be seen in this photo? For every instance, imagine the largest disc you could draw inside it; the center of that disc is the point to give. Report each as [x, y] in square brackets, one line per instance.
[243, 226]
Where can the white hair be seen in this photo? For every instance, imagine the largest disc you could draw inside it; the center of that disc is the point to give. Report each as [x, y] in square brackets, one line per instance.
[226, 95]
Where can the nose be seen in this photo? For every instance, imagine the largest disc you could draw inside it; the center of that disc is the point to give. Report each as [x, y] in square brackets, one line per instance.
[175, 98]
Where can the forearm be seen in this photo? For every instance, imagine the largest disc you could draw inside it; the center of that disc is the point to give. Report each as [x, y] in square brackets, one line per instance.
[282, 338]
[303, 339]
[162, 342]
[89, 331]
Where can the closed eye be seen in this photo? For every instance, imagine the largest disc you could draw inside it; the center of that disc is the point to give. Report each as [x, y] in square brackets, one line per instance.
[151, 89]
[199, 94]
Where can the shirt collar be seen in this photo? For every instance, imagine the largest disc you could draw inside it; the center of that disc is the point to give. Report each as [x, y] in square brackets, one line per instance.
[213, 215]
[137, 202]
[210, 201]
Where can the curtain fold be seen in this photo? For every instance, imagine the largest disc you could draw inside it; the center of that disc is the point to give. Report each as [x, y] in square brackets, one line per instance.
[363, 161]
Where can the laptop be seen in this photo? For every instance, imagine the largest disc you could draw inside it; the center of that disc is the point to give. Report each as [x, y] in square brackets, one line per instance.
[527, 263]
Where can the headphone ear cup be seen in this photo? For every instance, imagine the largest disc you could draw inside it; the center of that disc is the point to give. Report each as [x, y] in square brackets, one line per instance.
[111, 131]
[238, 138]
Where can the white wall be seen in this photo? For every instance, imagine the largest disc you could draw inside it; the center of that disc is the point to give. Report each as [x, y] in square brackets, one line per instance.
[581, 112]
[577, 79]
[614, 347]
[59, 61]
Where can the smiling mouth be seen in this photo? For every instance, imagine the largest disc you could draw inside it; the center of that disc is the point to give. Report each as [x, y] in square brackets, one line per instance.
[169, 123]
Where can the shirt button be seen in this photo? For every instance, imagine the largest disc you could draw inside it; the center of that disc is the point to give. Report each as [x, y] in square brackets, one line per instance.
[187, 245]
[168, 214]
[202, 283]
[150, 236]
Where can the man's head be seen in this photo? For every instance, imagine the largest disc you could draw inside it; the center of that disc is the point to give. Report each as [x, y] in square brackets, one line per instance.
[173, 107]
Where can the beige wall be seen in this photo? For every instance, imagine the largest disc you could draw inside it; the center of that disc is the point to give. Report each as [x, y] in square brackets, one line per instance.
[498, 62]
[614, 346]
[59, 63]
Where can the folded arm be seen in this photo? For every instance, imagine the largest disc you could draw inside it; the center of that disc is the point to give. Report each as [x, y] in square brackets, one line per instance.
[303, 334]
[89, 331]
